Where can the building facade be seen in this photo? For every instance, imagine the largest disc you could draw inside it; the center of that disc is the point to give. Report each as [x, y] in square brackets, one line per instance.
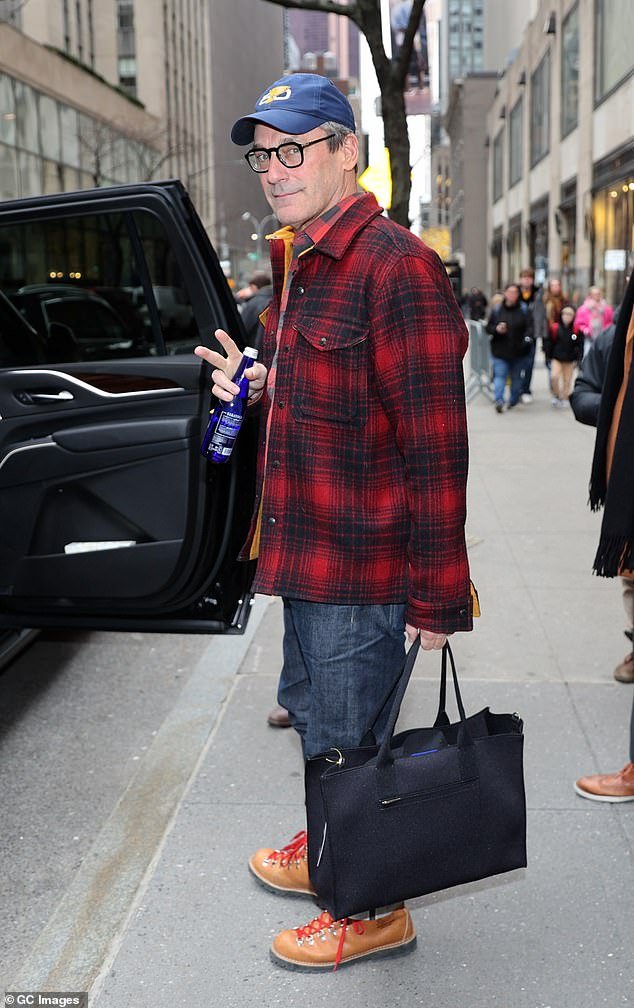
[465, 122]
[63, 128]
[561, 149]
[189, 70]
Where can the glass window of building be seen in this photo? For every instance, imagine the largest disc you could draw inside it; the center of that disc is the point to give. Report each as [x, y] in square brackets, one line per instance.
[613, 227]
[516, 149]
[7, 110]
[8, 172]
[498, 165]
[70, 136]
[614, 51]
[49, 128]
[30, 174]
[570, 72]
[126, 46]
[27, 126]
[540, 110]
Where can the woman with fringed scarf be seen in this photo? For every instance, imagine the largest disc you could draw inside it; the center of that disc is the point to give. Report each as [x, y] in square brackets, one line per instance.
[612, 487]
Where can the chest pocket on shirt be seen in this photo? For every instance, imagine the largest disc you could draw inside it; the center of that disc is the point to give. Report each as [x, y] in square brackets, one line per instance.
[331, 372]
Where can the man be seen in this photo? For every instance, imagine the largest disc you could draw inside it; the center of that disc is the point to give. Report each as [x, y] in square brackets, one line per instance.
[360, 504]
[509, 329]
[529, 296]
[612, 486]
[262, 292]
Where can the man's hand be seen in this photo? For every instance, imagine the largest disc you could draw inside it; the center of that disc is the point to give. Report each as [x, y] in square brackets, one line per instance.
[429, 641]
[225, 367]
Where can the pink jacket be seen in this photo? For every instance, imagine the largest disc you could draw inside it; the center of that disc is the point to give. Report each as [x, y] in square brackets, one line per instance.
[593, 317]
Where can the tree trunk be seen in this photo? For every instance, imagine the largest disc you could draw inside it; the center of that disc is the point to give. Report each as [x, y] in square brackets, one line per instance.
[391, 75]
[397, 143]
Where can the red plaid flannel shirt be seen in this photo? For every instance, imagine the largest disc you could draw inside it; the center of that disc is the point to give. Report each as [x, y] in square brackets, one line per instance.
[364, 499]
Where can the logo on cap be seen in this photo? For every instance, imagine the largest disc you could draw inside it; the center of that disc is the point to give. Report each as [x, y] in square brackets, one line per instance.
[275, 94]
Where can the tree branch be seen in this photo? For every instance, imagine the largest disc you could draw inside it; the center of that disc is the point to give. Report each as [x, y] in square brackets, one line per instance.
[327, 6]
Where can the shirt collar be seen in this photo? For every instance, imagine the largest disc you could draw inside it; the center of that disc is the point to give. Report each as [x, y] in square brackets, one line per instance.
[326, 232]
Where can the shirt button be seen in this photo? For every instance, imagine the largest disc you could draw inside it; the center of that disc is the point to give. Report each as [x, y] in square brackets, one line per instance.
[463, 612]
[275, 464]
[271, 520]
[300, 290]
[323, 341]
[281, 405]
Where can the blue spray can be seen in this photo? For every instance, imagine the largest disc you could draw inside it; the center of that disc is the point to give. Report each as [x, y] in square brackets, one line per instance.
[226, 419]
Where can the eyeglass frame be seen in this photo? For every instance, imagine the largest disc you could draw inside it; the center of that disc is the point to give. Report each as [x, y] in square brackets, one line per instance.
[276, 150]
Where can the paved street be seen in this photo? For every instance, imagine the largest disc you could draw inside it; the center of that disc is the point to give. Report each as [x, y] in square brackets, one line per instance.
[160, 910]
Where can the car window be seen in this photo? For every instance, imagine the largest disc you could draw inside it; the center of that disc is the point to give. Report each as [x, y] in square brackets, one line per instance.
[169, 287]
[78, 284]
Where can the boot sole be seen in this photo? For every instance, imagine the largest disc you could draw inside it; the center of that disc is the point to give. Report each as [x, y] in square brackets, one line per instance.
[391, 951]
[613, 799]
[280, 890]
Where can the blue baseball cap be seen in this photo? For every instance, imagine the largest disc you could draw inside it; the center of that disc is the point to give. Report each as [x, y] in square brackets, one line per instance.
[296, 104]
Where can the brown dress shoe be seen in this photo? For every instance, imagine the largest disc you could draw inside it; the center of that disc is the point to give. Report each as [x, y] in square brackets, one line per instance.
[325, 943]
[278, 718]
[285, 870]
[618, 787]
[625, 671]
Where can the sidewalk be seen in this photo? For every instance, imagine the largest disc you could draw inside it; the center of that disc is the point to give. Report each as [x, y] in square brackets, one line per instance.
[557, 935]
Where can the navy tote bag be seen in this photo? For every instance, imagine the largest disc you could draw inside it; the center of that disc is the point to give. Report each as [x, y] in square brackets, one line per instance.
[428, 809]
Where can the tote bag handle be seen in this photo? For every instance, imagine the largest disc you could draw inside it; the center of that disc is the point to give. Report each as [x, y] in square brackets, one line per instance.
[384, 757]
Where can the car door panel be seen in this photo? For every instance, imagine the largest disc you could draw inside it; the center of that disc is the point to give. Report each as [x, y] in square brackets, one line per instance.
[109, 517]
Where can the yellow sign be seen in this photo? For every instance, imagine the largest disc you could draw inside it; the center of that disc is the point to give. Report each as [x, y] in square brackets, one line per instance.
[438, 238]
[377, 179]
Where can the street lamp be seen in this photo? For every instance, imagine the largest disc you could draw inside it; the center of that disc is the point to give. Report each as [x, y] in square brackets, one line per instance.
[259, 228]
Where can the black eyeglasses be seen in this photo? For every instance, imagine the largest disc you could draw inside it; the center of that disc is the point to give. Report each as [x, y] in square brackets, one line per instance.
[290, 154]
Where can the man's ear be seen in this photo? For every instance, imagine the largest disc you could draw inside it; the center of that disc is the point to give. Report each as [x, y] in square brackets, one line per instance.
[350, 148]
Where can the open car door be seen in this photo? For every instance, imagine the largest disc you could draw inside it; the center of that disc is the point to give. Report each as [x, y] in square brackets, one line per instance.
[109, 516]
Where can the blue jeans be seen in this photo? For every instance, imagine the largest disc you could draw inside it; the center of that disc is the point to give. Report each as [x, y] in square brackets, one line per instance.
[340, 662]
[501, 371]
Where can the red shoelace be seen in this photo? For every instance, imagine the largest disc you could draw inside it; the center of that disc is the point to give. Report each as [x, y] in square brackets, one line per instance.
[294, 851]
[326, 922]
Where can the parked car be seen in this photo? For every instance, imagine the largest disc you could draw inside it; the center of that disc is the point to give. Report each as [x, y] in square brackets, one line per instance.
[109, 516]
[97, 329]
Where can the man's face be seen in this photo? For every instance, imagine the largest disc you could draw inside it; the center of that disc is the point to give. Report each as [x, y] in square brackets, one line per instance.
[526, 282]
[298, 196]
[511, 295]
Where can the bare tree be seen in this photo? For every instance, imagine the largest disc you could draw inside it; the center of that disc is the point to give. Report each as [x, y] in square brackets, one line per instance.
[107, 144]
[391, 75]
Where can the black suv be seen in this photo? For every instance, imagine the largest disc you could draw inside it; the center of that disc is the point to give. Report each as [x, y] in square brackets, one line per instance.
[109, 516]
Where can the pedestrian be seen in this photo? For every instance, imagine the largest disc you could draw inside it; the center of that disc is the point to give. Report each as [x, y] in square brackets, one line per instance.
[477, 304]
[612, 488]
[594, 315]
[359, 523]
[530, 293]
[585, 401]
[564, 348]
[547, 311]
[509, 329]
[262, 292]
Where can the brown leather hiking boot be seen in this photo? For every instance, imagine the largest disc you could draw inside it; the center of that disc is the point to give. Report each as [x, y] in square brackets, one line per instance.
[625, 671]
[325, 943]
[617, 787]
[285, 870]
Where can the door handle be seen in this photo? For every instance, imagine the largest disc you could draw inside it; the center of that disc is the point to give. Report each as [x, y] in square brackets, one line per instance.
[64, 395]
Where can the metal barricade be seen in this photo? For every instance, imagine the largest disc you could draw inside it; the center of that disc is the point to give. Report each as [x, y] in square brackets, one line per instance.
[479, 361]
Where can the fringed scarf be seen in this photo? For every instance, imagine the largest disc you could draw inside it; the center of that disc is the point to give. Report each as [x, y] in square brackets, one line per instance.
[615, 552]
